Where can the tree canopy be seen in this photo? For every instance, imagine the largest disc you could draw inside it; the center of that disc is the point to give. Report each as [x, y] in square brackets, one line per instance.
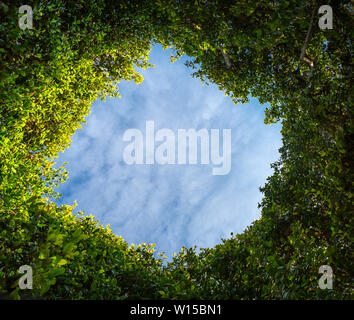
[78, 51]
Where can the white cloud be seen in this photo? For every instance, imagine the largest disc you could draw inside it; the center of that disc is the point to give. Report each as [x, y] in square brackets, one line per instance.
[170, 205]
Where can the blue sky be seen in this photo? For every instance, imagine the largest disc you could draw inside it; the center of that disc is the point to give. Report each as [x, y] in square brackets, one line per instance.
[170, 205]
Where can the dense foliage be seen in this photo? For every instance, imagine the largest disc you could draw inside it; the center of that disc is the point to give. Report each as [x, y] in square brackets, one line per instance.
[79, 51]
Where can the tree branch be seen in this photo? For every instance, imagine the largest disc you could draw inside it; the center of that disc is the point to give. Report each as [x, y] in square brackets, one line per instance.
[307, 40]
[226, 58]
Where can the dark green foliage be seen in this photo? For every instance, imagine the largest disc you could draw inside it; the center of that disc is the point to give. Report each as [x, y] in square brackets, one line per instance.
[80, 50]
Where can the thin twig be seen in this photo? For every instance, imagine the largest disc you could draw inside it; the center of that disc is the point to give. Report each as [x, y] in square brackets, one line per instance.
[307, 40]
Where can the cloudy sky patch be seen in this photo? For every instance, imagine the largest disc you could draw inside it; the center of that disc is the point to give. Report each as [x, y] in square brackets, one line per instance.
[170, 205]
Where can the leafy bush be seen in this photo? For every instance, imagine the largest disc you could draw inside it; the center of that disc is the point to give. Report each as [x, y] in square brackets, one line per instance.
[79, 51]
